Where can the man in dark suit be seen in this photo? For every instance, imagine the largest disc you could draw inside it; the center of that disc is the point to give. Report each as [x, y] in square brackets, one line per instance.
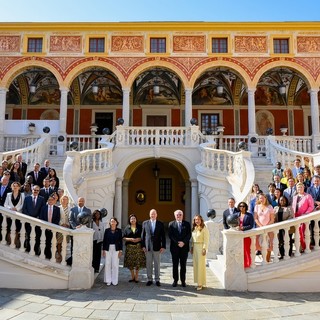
[75, 211]
[279, 185]
[46, 191]
[4, 189]
[45, 169]
[36, 175]
[49, 213]
[291, 191]
[23, 165]
[153, 244]
[231, 209]
[31, 207]
[179, 235]
[314, 191]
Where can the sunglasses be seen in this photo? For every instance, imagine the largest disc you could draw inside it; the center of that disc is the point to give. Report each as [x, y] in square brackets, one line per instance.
[242, 206]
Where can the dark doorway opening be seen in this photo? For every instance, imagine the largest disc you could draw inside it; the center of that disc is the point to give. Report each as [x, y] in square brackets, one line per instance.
[104, 120]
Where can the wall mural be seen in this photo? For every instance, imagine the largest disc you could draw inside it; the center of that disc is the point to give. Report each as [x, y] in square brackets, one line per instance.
[264, 120]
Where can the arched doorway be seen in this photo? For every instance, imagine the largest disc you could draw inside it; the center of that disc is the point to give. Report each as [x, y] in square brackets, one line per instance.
[159, 184]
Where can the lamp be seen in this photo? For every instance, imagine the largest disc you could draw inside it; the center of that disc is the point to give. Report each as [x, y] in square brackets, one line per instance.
[95, 88]
[32, 88]
[156, 170]
[156, 88]
[220, 89]
[282, 89]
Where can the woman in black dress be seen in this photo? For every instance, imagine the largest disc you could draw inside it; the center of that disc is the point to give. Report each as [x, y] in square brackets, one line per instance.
[134, 258]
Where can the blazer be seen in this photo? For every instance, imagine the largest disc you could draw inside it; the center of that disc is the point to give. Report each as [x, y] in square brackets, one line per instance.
[44, 171]
[128, 233]
[45, 195]
[4, 195]
[287, 194]
[175, 236]
[225, 215]
[248, 221]
[287, 214]
[23, 168]
[39, 181]
[154, 241]
[305, 205]
[29, 209]
[8, 203]
[55, 214]
[108, 235]
[74, 212]
[314, 194]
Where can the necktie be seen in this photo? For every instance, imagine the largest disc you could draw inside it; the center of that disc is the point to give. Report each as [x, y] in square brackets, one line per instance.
[152, 226]
[290, 193]
[36, 176]
[34, 201]
[50, 214]
[2, 190]
[179, 226]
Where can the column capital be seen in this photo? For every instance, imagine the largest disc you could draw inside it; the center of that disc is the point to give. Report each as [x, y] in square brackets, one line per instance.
[313, 91]
[3, 90]
[188, 90]
[64, 89]
[251, 90]
[126, 90]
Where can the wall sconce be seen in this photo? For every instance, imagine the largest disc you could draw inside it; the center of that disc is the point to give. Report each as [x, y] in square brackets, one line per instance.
[95, 88]
[156, 170]
[32, 88]
[220, 89]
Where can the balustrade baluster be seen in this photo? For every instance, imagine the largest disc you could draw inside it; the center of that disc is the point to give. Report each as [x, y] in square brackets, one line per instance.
[297, 241]
[264, 247]
[4, 229]
[12, 233]
[307, 238]
[64, 249]
[275, 246]
[53, 247]
[22, 237]
[316, 234]
[42, 243]
[286, 238]
[253, 252]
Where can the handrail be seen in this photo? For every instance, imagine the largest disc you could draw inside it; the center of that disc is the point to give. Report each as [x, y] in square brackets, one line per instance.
[234, 254]
[36, 152]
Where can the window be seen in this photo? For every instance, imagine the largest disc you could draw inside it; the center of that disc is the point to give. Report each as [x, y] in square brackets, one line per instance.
[34, 44]
[158, 45]
[96, 45]
[219, 45]
[209, 122]
[281, 45]
[165, 189]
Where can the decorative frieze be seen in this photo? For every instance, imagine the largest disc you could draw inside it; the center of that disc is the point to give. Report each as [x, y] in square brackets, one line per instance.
[127, 44]
[65, 44]
[9, 44]
[308, 44]
[189, 44]
[252, 44]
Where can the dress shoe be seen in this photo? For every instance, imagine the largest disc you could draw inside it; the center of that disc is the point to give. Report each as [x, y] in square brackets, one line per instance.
[158, 284]
[174, 284]
[183, 284]
[131, 280]
[149, 283]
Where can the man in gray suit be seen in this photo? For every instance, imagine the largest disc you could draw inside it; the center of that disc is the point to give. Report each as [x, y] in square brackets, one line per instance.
[75, 211]
[153, 244]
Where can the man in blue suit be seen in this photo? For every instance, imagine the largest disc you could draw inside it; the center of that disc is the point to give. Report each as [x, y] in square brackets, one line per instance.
[49, 213]
[31, 207]
[75, 211]
[179, 235]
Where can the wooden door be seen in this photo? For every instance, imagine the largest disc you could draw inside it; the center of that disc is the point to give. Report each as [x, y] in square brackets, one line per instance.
[156, 121]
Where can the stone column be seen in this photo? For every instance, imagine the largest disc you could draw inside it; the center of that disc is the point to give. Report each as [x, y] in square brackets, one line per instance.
[194, 198]
[63, 111]
[252, 146]
[126, 107]
[3, 95]
[118, 201]
[187, 213]
[188, 106]
[251, 112]
[314, 106]
[125, 200]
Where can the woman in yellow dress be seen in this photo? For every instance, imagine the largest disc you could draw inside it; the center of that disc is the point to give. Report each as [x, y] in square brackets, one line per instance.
[199, 247]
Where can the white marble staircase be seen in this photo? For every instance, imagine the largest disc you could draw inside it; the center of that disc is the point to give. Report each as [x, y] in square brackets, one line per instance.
[263, 172]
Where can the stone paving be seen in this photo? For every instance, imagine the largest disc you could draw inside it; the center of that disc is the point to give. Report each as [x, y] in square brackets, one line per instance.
[131, 301]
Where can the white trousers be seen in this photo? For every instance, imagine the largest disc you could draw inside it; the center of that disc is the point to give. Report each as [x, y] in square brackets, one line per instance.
[111, 268]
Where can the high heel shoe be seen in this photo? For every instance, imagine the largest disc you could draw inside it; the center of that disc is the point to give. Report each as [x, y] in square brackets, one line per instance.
[199, 288]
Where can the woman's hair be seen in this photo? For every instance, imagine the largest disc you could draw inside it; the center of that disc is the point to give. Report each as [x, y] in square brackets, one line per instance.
[54, 171]
[263, 195]
[254, 185]
[285, 199]
[115, 219]
[95, 212]
[132, 215]
[242, 204]
[202, 225]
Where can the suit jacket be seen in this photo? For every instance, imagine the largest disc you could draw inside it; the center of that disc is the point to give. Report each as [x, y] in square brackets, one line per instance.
[282, 186]
[29, 209]
[39, 181]
[287, 193]
[23, 168]
[4, 195]
[108, 236]
[175, 236]
[8, 203]
[305, 205]
[154, 241]
[287, 214]
[74, 212]
[44, 171]
[225, 216]
[45, 195]
[314, 194]
[55, 214]
[248, 221]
